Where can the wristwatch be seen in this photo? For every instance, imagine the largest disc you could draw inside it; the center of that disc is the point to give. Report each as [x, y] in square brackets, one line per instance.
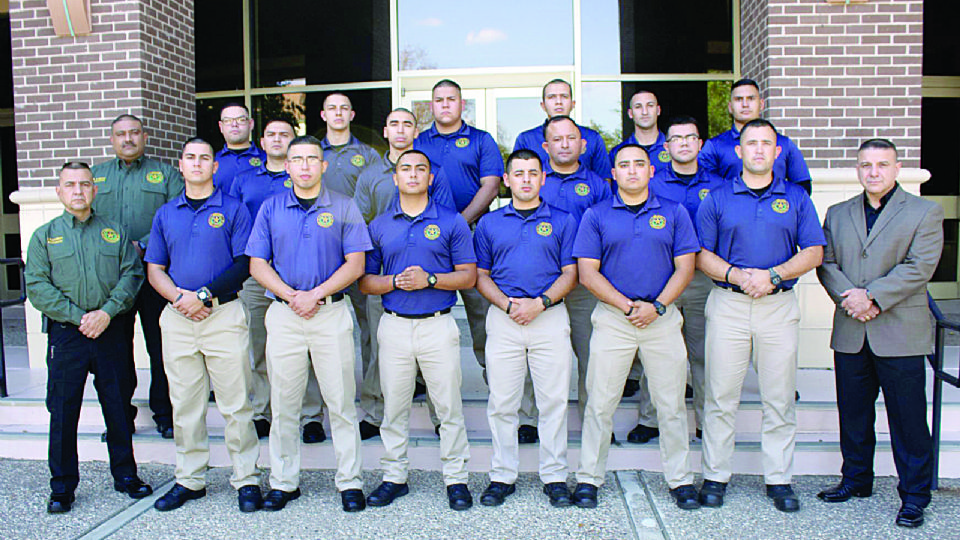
[204, 295]
[547, 302]
[775, 278]
[661, 309]
[431, 280]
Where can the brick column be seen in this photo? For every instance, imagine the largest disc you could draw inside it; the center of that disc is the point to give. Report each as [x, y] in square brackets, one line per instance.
[834, 75]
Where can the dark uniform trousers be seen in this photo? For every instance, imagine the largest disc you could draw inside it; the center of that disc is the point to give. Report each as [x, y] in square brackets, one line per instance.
[70, 357]
[860, 377]
[148, 305]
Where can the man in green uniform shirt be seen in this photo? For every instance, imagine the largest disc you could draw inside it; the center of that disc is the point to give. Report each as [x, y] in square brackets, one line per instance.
[130, 189]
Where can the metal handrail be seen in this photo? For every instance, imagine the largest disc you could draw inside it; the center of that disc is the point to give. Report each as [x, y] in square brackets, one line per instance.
[3, 304]
[939, 376]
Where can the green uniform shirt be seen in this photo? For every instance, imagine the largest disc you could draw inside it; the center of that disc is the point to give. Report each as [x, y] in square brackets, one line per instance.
[74, 267]
[131, 194]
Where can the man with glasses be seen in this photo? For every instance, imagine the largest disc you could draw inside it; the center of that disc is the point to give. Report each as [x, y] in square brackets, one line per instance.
[238, 154]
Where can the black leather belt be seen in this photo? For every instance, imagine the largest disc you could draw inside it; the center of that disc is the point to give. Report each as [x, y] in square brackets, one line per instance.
[229, 297]
[737, 289]
[419, 315]
[333, 298]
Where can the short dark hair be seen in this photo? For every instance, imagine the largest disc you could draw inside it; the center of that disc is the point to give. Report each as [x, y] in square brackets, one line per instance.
[126, 116]
[681, 120]
[195, 140]
[235, 104]
[336, 93]
[286, 121]
[402, 109]
[879, 144]
[631, 145]
[543, 96]
[641, 91]
[446, 82]
[75, 165]
[744, 82]
[759, 122]
[305, 140]
[523, 153]
[556, 119]
[417, 152]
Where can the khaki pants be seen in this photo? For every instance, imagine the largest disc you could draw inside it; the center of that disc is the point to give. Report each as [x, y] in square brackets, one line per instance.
[293, 344]
[691, 304]
[433, 344]
[371, 397]
[254, 298]
[196, 355]
[614, 344]
[767, 329]
[544, 346]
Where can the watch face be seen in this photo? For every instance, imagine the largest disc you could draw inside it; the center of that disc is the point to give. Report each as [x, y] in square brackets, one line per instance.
[432, 279]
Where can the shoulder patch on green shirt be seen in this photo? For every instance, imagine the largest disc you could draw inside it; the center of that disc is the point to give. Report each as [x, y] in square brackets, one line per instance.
[154, 177]
[110, 235]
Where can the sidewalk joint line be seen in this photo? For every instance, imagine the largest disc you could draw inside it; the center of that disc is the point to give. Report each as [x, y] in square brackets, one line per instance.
[128, 514]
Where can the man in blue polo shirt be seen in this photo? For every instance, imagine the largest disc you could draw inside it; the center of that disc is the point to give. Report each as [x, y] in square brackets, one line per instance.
[558, 101]
[196, 262]
[644, 110]
[306, 247]
[719, 154]
[636, 314]
[238, 154]
[525, 268]
[469, 161]
[750, 230]
[422, 253]
[681, 180]
[252, 188]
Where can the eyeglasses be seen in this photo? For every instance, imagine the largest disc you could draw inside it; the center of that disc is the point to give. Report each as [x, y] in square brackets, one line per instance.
[235, 121]
[691, 138]
[309, 160]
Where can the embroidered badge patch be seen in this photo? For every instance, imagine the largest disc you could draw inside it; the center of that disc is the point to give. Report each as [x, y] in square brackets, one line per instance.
[581, 189]
[664, 156]
[55, 240]
[325, 220]
[155, 177]
[288, 183]
[431, 232]
[780, 206]
[357, 161]
[657, 221]
[462, 142]
[703, 193]
[544, 228]
[99, 179]
[255, 161]
[216, 220]
[110, 235]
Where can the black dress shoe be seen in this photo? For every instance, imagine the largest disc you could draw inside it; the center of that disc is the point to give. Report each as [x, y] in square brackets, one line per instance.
[527, 435]
[165, 429]
[133, 487]
[263, 428]
[368, 430]
[558, 494]
[686, 497]
[276, 499]
[910, 515]
[711, 493]
[436, 429]
[419, 389]
[585, 496]
[630, 388]
[352, 500]
[386, 492]
[688, 393]
[783, 497]
[642, 434]
[495, 493]
[249, 498]
[458, 496]
[176, 497]
[843, 492]
[699, 434]
[60, 503]
[313, 433]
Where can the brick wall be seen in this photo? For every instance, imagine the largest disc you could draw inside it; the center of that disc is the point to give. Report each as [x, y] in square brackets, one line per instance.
[753, 40]
[836, 75]
[138, 59]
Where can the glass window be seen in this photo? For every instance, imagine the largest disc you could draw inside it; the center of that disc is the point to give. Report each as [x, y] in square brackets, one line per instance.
[514, 116]
[296, 42]
[495, 33]
[601, 108]
[218, 38]
[947, 268]
[940, 153]
[941, 47]
[657, 37]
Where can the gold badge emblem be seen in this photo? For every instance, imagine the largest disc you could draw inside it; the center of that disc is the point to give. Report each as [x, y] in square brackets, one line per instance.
[99, 179]
[255, 161]
[55, 240]
[432, 232]
[462, 142]
[544, 228]
[155, 177]
[110, 235]
[664, 156]
[357, 161]
[657, 221]
[582, 189]
[216, 220]
[703, 193]
[288, 183]
[780, 206]
[325, 220]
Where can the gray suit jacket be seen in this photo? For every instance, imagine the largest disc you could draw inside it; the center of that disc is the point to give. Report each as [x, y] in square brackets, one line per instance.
[894, 263]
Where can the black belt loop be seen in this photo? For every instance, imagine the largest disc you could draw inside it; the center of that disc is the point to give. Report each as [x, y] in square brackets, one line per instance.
[418, 315]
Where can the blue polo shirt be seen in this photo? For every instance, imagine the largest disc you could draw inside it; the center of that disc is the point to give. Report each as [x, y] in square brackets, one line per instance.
[233, 162]
[436, 240]
[690, 193]
[196, 246]
[257, 185]
[525, 255]
[461, 159]
[345, 163]
[594, 155]
[657, 152]
[636, 251]
[718, 156]
[306, 247]
[759, 232]
[376, 191]
[575, 193]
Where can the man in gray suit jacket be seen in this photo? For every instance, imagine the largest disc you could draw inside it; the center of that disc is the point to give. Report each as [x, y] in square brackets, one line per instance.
[882, 248]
